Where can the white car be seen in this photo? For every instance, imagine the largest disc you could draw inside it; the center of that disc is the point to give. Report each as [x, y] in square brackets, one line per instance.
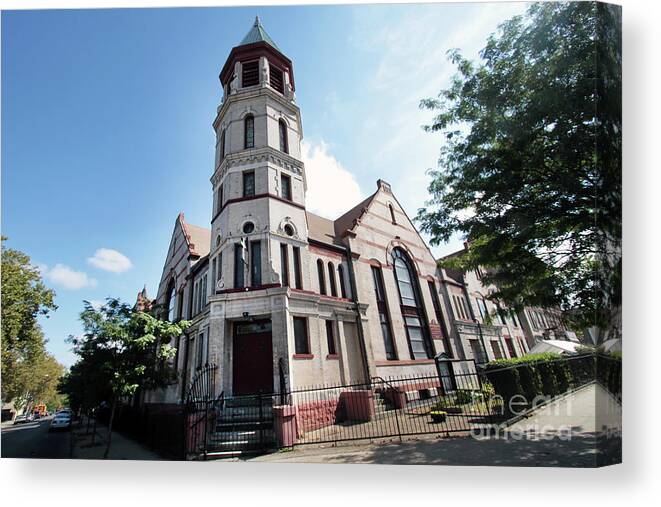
[21, 419]
[61, 421]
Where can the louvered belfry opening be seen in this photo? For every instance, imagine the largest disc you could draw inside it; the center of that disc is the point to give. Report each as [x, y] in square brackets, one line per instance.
[250, 73]
[277, 79]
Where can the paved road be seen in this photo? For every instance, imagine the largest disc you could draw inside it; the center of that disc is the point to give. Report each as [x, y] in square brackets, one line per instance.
[32, 440]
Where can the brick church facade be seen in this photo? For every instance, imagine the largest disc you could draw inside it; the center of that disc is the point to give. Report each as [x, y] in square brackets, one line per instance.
[280, 298]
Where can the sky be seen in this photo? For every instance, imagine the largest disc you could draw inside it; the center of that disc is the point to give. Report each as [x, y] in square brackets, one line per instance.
[106, 125]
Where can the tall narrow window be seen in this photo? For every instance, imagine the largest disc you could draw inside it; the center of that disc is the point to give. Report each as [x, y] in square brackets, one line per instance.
[301, 343]
[250, 73]
[331, 280]
[255, 263]
[222, 144]
[497, 353]
[238, 265]
[340, 275]
[284, 264]
[515, 320]
[298, 279]
[219, 204]
[276, 78]
[321, 276]
[213, 270]
[510, 347]
[384, 315]
[171, 299]
[330, 338]
[248, 183]
[220, 268]
[409, 295]
[285, 186]
[482, 307]
[479, 354]
[284, 142]
[439, 316]
[392, 214]
[249, 132]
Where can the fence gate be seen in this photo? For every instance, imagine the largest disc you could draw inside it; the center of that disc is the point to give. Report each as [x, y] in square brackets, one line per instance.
[199, 403]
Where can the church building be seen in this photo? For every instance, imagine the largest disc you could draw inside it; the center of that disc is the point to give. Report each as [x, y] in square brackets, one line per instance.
[278, 297]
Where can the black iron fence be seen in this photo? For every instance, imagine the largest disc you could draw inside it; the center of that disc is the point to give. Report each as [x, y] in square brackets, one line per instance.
[460, 399]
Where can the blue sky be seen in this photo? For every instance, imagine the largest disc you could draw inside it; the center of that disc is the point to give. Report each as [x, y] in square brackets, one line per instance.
[106, 125]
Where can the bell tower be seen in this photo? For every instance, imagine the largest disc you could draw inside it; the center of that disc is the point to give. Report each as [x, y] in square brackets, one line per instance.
[258, 179]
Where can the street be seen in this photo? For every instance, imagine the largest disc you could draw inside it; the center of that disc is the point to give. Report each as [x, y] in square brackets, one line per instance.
[33, 440]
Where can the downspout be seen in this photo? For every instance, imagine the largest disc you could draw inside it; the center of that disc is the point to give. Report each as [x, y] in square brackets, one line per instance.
[359, 321]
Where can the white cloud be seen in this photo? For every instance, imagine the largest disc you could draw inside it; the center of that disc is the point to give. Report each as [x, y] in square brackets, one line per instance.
[68, 278]
[110, 260]
[332, 190]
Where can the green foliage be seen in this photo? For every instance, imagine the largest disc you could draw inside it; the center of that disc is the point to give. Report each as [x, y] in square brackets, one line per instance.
[535, 375]
[532, 135]
[120, 351]
[29, 373]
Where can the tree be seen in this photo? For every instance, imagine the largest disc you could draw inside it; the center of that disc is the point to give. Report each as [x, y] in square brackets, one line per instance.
[24, 299]
[530, 169]
[121, 350]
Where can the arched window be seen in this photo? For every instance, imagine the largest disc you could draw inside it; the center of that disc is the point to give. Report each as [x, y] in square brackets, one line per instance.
[322, 277]
[392, 213]
[249, 132]
[340, 274]
[417, 331]
[331, 279]
[284, 142]
[171, 298]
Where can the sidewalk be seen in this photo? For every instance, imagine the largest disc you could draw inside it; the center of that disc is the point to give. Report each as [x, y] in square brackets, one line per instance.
[121, 447]
[563, 434]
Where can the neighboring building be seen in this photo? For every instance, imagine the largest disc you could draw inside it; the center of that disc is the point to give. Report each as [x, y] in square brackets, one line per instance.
[278, 296]
[485, 330]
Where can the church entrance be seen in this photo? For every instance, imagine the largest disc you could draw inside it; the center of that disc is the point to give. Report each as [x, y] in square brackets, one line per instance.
[252, 358]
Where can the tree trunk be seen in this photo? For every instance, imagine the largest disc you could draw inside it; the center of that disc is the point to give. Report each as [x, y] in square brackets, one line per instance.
[112, 416]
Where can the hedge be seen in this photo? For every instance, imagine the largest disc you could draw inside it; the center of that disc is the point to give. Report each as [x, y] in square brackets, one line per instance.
[546, 374]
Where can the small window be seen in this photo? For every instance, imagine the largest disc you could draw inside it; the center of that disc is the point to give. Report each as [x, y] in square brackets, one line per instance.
[248, 228]
[330, 338]
[277, 78]
[285, 186]
[340, 274]
[497, 353]
[331, 279]
[392, 214]
[248, 183]
[284, 141]
[213, 270]
[200, 350]
[322, 277]
[301, 343]
[478, 351]
[289, 230]
[510, 347]
[249, 132]
[250, 73]
[298, 279]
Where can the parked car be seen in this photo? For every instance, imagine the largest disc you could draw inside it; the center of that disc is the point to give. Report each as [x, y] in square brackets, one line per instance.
[21, 419]
[61, 421]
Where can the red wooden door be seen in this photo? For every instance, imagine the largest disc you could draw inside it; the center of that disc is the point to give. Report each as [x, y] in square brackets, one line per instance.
[253, 358]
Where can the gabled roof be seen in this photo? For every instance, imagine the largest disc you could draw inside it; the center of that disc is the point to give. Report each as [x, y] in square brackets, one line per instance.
[258, 34]
[198, 238]
[321, 229]
[347, 221]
